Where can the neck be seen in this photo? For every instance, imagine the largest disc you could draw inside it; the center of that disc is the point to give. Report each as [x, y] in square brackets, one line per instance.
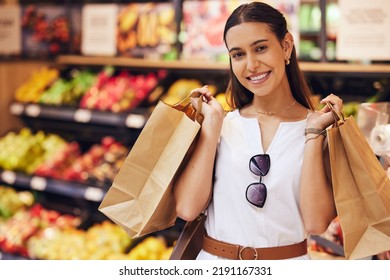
[275, 109]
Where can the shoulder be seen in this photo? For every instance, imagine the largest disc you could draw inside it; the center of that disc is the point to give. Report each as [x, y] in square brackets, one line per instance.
[232, 117]
[232, 114]
[231, 121]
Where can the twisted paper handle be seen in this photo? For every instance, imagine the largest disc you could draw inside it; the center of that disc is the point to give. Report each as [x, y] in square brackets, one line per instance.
[338, 117]
[186, 107]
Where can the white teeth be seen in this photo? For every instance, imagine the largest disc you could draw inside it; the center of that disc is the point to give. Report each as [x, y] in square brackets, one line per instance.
[258, 77]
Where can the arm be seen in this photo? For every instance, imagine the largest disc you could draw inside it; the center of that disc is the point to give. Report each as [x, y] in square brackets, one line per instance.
[192, 189]
[316, 194]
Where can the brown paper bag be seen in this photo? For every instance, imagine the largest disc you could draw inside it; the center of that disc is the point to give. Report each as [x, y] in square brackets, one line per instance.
[140, 199]
[361, 191]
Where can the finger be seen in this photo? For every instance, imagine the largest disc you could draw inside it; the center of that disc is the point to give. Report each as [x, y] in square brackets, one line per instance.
[203, 91]
[333, 99]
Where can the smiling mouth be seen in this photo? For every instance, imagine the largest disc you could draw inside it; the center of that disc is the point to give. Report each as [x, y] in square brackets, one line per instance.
[258, 77]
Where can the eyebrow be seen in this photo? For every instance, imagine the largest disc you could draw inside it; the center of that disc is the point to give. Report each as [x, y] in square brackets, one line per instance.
[253, 44]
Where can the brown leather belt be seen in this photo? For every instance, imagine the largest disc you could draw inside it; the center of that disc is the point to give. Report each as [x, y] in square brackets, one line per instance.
[237, 252]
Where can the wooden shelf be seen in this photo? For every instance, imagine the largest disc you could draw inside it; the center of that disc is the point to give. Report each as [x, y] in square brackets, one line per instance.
[204, 65]
[344, 67]
[141, 63]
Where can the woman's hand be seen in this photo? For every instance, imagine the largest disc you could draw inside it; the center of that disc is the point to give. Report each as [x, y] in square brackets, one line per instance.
[211, 108]
[323, 118]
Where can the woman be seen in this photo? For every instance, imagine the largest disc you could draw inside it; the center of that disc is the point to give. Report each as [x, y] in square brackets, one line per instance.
[261, 170]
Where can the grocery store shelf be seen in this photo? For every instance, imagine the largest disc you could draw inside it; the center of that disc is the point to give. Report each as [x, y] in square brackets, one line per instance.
[140, 63]
[65, 188]
[205, 65]
[344, 67]
[134, 119]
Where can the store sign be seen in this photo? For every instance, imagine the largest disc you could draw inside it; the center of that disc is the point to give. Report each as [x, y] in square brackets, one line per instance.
[10, 31]
[99, 29]
[363, 33]
[204, 22]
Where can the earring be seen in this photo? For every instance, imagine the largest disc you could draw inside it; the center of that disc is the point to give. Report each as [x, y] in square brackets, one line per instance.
[287, 61]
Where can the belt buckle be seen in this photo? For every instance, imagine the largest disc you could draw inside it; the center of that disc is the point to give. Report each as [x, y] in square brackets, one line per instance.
[251, 248]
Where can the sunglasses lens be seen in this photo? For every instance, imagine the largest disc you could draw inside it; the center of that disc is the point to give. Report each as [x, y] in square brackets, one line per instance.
[260, 164]
[256, 194]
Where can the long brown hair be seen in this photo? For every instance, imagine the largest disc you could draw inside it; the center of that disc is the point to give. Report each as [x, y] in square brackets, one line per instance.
[237, 95]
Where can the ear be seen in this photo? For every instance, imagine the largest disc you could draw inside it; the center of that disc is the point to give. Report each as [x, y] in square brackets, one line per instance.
[288, 44]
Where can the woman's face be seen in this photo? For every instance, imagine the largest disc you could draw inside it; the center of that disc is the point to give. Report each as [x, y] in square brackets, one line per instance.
[258, 58]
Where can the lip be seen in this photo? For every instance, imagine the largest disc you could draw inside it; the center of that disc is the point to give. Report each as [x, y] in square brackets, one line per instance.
[258, 77]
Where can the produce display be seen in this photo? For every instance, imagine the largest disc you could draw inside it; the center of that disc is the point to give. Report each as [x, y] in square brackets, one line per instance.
[25, 151]
[32, 89]
[98, 242]
[46, 30]
[99, 164]
[49, 155]
[12, 201]
[118, 93]
[147, 30]
[55, 165]
[25, 223]
[102, 241]
[107, 90]
[30, 230]
[151, 248]
[68, 92]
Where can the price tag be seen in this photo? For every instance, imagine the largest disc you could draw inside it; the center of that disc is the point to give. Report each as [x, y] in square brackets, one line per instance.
[33, 110]
[93, 194]
[135, 121]
[38, 183]
[16, 109]
[82, 115]
[8, 177]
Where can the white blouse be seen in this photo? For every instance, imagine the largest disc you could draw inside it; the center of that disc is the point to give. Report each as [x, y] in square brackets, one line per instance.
[230, 217]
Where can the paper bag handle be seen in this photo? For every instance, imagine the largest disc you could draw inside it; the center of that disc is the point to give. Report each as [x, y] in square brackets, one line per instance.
[186, 107]
[338, 117]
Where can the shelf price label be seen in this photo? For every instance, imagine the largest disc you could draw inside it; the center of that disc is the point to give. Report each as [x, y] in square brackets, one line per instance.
[8, 177]
[33, 110]
[38, 183]
[82, 115]
[93, 194]
[16, 109]
[135, 121]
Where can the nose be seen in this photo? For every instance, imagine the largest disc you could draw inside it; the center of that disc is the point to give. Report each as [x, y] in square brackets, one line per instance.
[252, 63]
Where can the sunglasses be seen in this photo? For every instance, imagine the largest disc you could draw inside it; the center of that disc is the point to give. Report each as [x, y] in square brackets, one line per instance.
[256, 193]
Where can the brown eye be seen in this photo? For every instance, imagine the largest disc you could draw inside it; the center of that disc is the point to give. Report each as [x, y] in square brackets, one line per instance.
[261, 48]
[237, 55]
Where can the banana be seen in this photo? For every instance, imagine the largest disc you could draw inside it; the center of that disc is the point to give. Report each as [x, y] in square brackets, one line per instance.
[127, 20]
